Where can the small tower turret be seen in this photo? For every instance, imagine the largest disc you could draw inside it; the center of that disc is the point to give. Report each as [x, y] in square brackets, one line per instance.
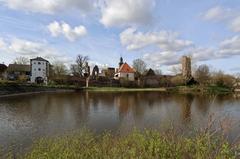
[121, 62]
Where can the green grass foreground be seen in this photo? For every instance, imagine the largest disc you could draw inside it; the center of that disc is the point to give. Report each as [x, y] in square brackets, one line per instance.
[141, 145]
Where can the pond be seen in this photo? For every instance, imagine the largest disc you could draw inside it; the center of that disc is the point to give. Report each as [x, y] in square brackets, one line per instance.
[23, 119]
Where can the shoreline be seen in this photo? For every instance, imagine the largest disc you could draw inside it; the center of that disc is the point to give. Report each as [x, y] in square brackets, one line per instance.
[18, 89]
[180, 89]
[122, 89]
[33, 93]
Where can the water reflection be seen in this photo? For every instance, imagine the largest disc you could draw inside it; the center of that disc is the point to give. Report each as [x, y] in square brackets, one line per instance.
[24, 118]
[186, 104]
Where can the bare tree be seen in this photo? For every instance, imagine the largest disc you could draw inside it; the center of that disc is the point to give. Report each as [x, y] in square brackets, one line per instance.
[21, 60]
[202, 74]
[59, 69]
[139, 65]
[158, 72]
[176, 69]
[221, 79]
[80, 67]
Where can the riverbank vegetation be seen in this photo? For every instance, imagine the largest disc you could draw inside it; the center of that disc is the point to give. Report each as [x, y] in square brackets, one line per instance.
[136, 144]
[9, 88]
[16, 88]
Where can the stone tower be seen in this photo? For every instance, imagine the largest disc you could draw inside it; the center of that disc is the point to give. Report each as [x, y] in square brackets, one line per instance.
[186, 68]
[121, 62]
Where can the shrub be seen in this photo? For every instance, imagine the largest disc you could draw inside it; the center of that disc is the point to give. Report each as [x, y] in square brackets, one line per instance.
[124, 82]
[178, 81]
[147, 144]
[222, 80]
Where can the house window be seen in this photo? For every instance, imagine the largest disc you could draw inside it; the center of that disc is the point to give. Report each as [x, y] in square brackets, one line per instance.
[127, 75]
[34, 63]
[39, 69]
[34, 69]
[39, 63]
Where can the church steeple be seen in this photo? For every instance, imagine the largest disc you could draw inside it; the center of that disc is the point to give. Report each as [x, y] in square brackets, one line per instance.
[121, 62]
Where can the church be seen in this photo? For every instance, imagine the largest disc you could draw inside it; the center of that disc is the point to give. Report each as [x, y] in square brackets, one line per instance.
[125, 71]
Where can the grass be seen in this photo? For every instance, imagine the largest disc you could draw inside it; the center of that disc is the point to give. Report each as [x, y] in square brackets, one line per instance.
[219, 89]
[180, 89]
[203, 89]
[148, 144]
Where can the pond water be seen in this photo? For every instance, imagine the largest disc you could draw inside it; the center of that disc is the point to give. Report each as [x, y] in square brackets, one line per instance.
[26, 118]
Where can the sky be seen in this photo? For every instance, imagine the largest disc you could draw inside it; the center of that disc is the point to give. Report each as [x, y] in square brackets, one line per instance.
[156, 31]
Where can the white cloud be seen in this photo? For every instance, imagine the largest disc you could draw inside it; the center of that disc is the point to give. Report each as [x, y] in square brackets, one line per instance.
[230, 16]
[30, 49]
[65, 29]
[166, 41]
[218, 13]
[49, 6]
[162, 58]
[230, 47]
[2, 44]
[226, 49]
[126, 12]
[202, 54]
[235, 24]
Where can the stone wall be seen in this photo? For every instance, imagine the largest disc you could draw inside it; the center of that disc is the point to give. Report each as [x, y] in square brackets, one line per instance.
[186, 68]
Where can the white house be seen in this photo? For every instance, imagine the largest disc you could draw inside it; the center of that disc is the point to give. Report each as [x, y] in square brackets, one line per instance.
[236, 86]
[39, 70]
[125, 71]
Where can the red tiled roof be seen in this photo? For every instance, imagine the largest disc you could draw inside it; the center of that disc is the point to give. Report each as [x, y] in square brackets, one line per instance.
[125, 68]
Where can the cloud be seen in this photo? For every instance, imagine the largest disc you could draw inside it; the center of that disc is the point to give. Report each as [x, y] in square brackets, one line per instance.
[162, 58]
[30, 49]
[220, 14]
[235, 24]
[166, 41]
[226, 49]
[49, 6]
[66, 30]
[230, 47]
[2, 44]
[202, 54]
[126, 12]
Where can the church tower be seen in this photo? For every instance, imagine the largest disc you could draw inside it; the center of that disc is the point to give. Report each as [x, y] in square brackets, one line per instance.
[121, 62]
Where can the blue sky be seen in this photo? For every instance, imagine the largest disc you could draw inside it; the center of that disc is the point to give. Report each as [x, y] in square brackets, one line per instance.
[157, 31]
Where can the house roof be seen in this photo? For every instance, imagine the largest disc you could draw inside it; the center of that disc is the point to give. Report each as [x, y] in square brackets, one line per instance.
[18, 68]
[3, 67]
[39, 59]
[149, 72]
[125, 68]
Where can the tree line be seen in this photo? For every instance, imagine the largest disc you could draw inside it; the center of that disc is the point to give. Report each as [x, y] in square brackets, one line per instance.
[202, 74]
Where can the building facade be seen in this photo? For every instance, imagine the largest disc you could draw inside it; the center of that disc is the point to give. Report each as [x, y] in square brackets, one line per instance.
[39, 70]
[125, 71]
[18, 72]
